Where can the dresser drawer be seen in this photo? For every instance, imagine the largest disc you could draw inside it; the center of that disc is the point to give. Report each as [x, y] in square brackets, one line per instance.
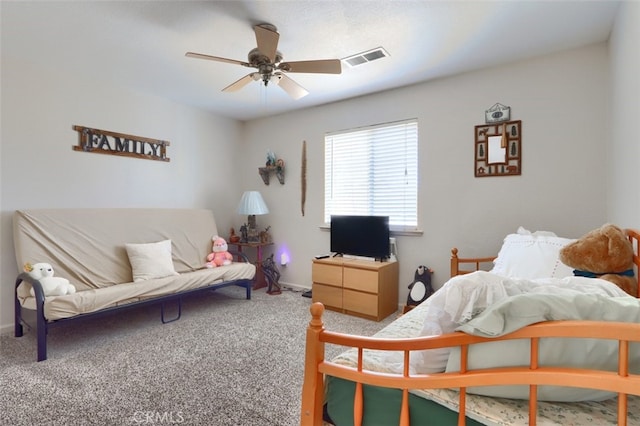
[361, 280]
[362, 303]
[327, 295]
[326, 274]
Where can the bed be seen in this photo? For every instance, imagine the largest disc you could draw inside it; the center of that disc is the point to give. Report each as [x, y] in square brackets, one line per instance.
[489, 369]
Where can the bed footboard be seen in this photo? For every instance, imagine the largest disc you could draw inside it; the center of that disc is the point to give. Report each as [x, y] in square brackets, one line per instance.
[621, 382]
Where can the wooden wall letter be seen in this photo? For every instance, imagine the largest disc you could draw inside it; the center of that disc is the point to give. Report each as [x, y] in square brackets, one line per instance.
[112, 143]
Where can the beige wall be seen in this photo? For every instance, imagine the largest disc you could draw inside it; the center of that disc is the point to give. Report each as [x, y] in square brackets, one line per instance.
[623, 194]
[39, 169]
[559, 98]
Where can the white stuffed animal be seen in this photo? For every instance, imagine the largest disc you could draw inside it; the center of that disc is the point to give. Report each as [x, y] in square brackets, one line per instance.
[52, 286]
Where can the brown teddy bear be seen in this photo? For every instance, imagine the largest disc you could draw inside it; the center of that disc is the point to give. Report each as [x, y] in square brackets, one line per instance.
[604, 253]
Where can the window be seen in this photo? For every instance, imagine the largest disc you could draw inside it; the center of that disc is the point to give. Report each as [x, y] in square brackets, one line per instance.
[373, 171]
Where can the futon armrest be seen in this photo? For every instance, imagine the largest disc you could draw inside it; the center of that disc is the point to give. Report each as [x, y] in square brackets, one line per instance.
[35, 284]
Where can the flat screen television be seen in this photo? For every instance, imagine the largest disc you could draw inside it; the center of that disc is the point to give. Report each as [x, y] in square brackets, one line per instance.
[366, 236]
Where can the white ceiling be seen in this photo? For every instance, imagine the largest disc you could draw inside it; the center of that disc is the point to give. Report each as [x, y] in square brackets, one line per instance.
[141, 44]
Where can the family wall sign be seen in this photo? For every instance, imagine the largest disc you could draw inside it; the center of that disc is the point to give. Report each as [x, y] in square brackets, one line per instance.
[112, 143]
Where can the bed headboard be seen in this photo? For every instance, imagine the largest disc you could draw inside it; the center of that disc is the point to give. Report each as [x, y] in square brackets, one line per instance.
[461, 265]
[634, 237]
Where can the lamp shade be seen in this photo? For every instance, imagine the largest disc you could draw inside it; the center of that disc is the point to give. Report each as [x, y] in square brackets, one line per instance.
[252, 203]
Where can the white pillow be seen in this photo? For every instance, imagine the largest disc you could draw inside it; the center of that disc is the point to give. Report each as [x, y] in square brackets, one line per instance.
[151, 260]
[532, 255]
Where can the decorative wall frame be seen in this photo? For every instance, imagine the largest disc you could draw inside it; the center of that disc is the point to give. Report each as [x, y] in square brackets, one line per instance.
[498, 149]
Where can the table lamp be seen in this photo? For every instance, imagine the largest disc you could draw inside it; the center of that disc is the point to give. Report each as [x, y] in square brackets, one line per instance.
[252, 204]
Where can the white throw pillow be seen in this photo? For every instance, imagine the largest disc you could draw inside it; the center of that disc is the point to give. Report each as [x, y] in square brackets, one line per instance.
[151, 260]
[532, 255]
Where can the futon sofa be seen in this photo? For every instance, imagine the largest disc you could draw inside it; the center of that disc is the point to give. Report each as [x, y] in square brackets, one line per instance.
[116, 258]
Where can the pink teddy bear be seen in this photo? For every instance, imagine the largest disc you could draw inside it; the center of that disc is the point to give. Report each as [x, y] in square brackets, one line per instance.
[220, 256]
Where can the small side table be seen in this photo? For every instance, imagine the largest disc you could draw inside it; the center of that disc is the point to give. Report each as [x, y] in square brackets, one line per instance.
[259, 281]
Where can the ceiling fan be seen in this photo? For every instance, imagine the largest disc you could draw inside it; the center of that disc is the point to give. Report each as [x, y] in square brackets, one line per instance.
[268, 61]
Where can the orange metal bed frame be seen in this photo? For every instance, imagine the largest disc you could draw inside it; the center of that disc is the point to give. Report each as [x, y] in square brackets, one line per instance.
[316, 367]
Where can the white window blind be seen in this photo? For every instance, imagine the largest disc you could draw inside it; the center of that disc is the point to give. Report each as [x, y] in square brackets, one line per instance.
[373, 171]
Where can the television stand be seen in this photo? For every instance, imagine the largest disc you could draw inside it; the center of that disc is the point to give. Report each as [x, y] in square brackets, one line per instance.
[357, 287]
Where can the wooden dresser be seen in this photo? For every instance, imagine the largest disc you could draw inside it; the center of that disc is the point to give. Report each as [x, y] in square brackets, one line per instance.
[357, 287]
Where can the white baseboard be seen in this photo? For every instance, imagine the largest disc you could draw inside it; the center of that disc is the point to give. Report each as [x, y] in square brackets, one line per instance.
[294, 287]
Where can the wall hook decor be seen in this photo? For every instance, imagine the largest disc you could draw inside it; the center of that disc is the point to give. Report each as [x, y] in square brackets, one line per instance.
[497, 113]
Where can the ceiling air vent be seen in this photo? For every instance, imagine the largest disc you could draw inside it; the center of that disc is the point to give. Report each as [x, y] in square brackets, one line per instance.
[364, 57]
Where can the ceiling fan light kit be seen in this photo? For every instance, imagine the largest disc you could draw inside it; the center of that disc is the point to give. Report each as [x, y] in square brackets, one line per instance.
[268, 61]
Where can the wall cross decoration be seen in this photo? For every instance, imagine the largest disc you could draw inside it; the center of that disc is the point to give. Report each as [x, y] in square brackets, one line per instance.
[112, 143]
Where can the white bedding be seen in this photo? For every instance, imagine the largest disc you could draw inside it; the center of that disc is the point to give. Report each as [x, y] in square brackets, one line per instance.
[465, 296]
[459, 300]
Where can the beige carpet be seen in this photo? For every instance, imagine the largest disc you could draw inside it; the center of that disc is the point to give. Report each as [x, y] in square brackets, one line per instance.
[227, 361]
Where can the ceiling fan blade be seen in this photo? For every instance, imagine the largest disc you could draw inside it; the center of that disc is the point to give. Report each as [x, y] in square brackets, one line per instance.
[237, 85]
[215, 58]
[322, 66]
[267, 40]
[292, 88]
